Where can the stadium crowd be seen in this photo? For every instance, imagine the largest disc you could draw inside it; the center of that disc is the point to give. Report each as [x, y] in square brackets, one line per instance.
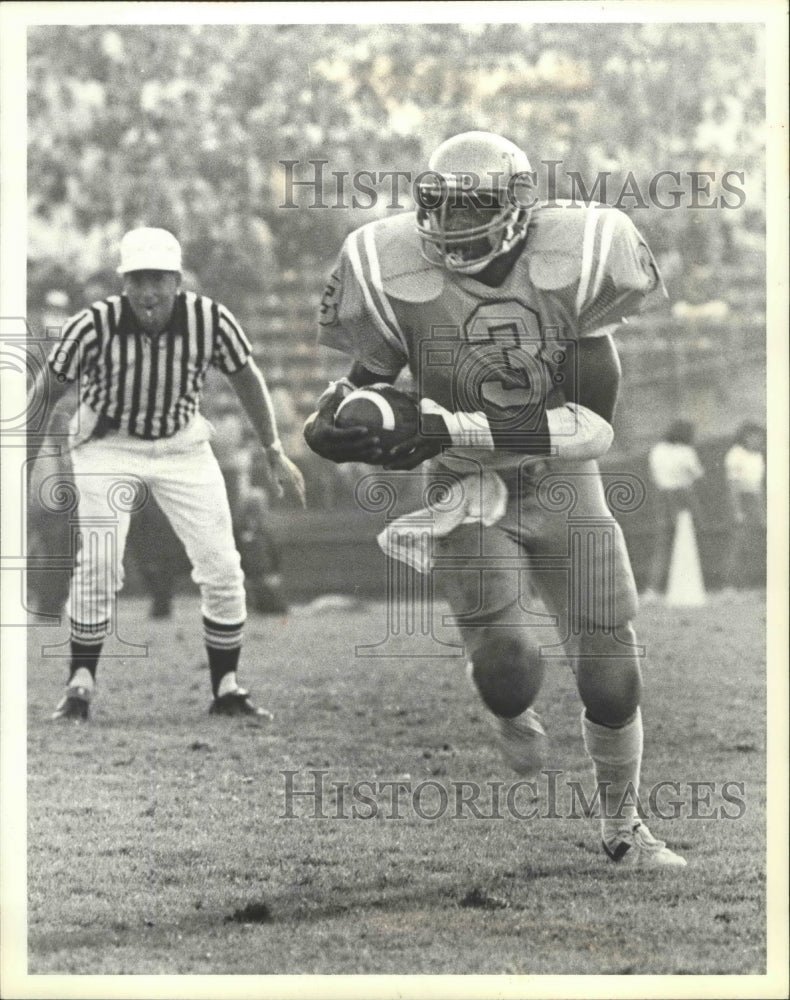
[193, 127]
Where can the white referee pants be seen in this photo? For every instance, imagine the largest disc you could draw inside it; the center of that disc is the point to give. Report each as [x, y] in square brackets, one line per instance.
[115, 476]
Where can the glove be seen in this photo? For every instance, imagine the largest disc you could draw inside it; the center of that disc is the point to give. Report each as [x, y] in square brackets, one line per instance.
[346, 444]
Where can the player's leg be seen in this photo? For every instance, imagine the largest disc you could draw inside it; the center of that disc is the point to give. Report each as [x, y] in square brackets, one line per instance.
[595, 606]
[609, 681]
[189, 488]
[480, 572]
[610, 686]
[105, 501]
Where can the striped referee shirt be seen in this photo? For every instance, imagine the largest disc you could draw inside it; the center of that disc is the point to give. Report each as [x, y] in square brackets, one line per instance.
[149, 387]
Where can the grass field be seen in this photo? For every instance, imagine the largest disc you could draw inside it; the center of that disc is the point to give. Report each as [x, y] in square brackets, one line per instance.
[159, 840]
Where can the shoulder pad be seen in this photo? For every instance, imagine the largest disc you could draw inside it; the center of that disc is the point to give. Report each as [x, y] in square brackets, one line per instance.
[392, 245]
[597, 255]
[555, 242]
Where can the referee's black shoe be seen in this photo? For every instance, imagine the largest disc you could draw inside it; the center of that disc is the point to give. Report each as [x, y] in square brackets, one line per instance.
[238, 703]
[75, 704]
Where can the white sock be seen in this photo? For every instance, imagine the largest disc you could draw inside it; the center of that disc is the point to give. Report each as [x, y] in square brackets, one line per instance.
[81, 678]
[617, 758]
[227, 684]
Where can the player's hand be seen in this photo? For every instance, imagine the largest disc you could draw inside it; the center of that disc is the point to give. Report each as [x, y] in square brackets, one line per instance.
[431, 440]
[341, 444]
[284, 475]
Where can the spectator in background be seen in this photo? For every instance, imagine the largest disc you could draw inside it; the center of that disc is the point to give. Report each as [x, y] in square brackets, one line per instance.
[744, 468]
[675, 469]
[57, 309]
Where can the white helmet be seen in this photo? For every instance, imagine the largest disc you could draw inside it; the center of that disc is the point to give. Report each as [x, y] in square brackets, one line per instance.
[473, 201]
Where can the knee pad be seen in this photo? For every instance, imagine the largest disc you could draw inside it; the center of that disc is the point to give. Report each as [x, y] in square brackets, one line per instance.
[506, 668]
[609, 680]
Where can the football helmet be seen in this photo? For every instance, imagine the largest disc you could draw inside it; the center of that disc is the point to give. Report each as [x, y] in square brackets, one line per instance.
[473, 201]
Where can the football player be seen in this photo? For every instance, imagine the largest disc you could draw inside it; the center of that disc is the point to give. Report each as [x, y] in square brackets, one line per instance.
[503, 310]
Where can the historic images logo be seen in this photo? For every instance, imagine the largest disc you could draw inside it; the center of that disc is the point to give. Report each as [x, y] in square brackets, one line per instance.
[552, 794]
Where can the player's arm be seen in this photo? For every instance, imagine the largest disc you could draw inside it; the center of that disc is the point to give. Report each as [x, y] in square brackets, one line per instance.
[354, 319]
[581, 427]
[595, 383]
[250, 386]
[350, 444]
[575, 424]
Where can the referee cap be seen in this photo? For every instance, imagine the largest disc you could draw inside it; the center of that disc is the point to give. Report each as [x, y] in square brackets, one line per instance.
[147, 249]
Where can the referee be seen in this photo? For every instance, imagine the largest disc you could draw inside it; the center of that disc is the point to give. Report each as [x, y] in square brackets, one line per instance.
[140, 360]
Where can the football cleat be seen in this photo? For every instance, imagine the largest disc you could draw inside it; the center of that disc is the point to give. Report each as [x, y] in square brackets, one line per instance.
[523, 742]
[238, 703]
[473, 201]
[638, 847]
[75, 704]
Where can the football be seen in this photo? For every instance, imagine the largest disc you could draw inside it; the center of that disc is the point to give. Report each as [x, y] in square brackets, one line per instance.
[392, 414]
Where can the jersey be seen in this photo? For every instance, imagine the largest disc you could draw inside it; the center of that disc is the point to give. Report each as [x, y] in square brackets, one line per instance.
[674, 466]
[149, 387]
[506, 350]
[745, 470]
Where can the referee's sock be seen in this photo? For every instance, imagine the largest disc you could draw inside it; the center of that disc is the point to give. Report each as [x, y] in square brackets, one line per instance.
[223, 645]
[86, 647]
